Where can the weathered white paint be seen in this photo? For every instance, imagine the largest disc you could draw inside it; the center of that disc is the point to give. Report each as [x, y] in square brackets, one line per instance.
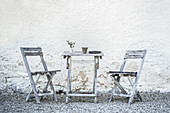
[112, 26]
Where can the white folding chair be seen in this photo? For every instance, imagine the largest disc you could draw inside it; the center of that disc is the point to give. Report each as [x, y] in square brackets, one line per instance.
[118, 89]
[49, 74]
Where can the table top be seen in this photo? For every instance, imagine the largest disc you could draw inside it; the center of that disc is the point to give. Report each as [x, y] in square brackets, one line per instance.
[80, 53]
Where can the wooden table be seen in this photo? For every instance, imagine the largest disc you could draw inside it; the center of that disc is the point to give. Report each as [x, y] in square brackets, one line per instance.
[68, 55]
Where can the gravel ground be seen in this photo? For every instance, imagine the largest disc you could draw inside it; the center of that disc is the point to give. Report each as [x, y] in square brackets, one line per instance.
[152, 103]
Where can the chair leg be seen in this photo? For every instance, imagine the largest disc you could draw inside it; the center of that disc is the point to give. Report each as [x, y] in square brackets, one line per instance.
[28, 96]
[49, 77]
[119, 86]
[113, 91]
[66, 99]
[54, 93]
[36, 94]
[132, 93]
[138, 95]
[111, 97]
[36, 81]
[95, 99]
[51, 86]
[131, 99]
[136, 91]
[33, 85]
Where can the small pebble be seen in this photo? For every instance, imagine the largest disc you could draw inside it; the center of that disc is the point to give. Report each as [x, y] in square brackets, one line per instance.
[153, 102]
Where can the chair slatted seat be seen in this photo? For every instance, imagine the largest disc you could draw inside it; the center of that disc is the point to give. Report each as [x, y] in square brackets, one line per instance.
[118, 73]
[45, 72]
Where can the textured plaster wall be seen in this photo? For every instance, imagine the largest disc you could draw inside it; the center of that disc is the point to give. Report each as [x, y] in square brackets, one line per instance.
[112, 26]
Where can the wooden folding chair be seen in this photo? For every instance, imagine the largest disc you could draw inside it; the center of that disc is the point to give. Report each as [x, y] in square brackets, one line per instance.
[118, 89]
[49, 74]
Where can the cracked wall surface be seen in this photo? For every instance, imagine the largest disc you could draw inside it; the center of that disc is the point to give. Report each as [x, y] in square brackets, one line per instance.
[107, 25]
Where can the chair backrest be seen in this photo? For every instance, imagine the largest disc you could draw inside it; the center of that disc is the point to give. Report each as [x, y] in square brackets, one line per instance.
[32, 51]
[134, 54]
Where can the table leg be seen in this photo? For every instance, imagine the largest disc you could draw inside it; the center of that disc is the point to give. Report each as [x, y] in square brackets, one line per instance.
[95, 78]
[68, 78]
[94, 75]
[70, 75]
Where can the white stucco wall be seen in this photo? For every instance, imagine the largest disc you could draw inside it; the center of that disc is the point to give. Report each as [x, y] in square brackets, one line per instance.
[112, 26]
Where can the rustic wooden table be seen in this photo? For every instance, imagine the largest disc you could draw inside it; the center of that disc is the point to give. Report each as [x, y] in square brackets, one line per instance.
[68, 55]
